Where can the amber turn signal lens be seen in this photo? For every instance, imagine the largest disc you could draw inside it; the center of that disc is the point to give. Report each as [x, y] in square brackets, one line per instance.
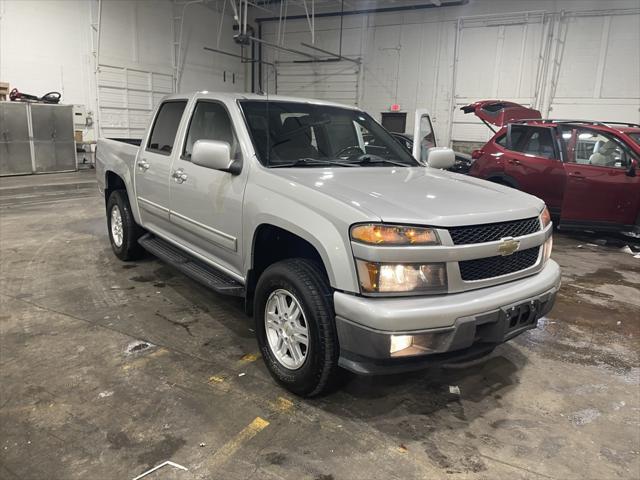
[379, 234]
[545, 217]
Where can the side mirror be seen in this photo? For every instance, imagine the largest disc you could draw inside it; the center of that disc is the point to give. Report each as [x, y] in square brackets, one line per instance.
[212, 154]
[632, 168]
[440, 157]
[476, 154]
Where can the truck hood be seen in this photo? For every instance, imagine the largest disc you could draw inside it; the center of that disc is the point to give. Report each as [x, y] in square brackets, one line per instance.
[417, 195]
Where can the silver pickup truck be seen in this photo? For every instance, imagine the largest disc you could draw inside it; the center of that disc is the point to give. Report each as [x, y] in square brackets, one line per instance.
[349, 253]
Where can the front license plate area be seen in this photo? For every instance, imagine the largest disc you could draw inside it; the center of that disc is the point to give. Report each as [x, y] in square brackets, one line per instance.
[520, 316]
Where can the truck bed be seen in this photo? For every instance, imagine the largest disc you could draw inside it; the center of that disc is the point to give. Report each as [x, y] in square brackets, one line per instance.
[117, 155]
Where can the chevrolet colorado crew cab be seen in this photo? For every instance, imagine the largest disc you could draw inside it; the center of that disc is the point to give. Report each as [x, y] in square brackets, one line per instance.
[349, 255]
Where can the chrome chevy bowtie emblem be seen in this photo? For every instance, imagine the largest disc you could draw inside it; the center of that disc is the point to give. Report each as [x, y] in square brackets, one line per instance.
[508, 246]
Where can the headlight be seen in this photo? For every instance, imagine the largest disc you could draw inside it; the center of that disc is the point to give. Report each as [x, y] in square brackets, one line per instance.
[399, 278]
[545, 218]
[380, 234]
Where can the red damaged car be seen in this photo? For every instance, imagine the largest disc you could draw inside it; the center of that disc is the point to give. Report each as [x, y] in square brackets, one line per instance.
[585, 171]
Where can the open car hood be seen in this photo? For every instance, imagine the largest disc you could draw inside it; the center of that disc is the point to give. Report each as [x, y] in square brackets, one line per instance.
[499, 112]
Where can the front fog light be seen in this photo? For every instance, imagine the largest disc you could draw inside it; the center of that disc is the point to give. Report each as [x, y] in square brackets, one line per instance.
[400, 342]
[396, 278]
[419, 344]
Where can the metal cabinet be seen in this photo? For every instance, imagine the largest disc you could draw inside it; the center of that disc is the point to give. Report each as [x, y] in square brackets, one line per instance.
[36, 138]
[53, 144]
[15, 144]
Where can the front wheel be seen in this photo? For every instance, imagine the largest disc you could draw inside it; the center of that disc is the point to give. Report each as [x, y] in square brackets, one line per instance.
[295, 327]
[124, 232]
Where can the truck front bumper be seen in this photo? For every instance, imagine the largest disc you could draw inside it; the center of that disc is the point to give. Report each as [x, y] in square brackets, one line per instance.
[439, 329]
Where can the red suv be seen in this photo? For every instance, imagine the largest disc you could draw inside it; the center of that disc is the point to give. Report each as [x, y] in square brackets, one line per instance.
[585, 171]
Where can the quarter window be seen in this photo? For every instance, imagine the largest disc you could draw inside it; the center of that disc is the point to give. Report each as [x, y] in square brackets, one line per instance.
[163, 134]
[210, 121]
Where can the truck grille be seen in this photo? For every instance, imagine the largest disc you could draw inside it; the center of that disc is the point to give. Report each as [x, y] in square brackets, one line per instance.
[490, 267]
[491, 232]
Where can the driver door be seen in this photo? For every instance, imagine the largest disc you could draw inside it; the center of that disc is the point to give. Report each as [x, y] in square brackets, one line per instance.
[423, 135]
[206, 204]
[600, 188]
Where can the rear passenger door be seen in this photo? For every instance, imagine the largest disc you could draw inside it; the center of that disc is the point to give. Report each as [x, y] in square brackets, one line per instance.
[533, 159]
[153, 166]
[206, 204]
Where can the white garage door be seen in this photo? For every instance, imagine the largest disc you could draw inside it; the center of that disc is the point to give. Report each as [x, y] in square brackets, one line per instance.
[331, 81]
[126, 99]
[498, 58]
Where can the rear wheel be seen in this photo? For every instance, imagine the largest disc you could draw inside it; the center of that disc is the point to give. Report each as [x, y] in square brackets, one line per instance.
[124, 232]
[295, 327]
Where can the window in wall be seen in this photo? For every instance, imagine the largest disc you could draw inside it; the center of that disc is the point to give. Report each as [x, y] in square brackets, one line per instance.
[163, 134]
[210, 121]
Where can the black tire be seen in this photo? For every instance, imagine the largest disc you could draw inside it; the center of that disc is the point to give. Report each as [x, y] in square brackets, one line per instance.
[307, 282]
[129, 249]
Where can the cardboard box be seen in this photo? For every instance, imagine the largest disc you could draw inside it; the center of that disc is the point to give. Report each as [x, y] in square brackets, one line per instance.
[78, 136]
[4, 90]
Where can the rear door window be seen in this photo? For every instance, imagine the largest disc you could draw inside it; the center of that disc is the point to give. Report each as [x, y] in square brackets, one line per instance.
[163, 133]
[533, 141]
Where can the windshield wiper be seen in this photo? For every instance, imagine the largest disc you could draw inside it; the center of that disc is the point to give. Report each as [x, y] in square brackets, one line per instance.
[368, 158]
[312, 162]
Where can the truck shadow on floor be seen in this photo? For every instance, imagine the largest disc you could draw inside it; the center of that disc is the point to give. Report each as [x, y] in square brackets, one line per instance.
[427, 391]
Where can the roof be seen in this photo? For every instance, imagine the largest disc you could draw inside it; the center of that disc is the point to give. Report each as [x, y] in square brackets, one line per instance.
[235, 96]
[596, 125]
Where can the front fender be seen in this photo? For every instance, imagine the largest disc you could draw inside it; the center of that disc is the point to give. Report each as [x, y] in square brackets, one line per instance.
[325, 228]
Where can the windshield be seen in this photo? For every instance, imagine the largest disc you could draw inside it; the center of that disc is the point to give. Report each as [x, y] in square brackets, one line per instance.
[287, 134]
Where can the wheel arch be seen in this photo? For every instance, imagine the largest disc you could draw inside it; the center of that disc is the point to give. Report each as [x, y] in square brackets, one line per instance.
[272, 243]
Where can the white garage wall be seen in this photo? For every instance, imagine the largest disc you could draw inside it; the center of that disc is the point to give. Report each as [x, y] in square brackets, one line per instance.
[49, 45]
[545, 53]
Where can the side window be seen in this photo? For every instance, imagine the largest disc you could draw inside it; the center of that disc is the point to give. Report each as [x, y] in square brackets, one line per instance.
[534, 141]
[163, 133]
[599, 148]
[210, 121]
[502, 140]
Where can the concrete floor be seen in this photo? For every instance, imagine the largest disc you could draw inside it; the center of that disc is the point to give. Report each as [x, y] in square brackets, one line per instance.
[108, 369]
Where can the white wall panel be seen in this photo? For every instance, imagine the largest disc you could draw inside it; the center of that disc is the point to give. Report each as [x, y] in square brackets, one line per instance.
[622, 60]
[579, 67]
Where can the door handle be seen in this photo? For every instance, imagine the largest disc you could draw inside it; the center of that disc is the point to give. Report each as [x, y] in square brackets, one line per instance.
[576, 175]
[143, 166]
[513, 161]
[179, 176]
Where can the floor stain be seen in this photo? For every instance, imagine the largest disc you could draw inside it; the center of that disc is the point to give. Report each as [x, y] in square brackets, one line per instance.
[186, 324]
[161, 450]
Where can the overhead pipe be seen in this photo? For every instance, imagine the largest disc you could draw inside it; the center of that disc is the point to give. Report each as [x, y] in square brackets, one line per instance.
[334, 55]
[284, 49]
[365, 11]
